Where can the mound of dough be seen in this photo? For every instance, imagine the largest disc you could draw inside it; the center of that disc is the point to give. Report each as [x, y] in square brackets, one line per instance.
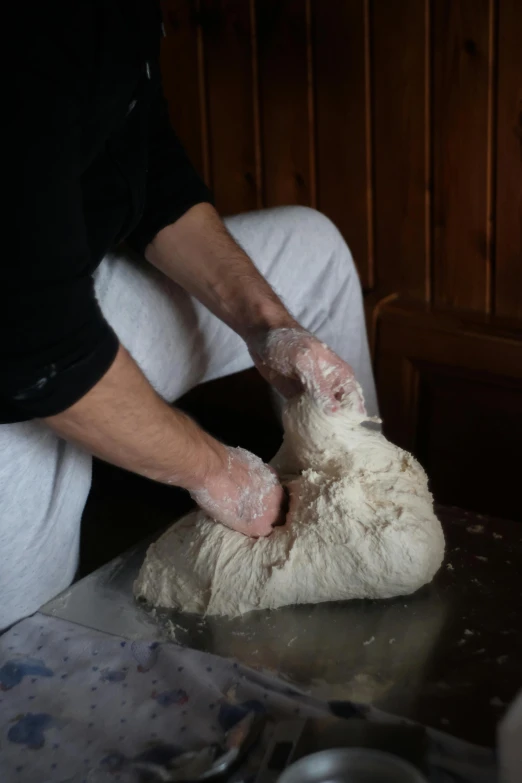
[360, 525]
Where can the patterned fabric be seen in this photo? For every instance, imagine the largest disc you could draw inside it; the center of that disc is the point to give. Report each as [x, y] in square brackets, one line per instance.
[79, 706]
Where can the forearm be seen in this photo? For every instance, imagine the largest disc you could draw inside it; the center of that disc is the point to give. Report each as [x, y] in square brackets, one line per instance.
[123, 421]
[198, 253]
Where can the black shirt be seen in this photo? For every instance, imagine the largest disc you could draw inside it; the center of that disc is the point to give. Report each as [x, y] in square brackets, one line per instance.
[91, 160]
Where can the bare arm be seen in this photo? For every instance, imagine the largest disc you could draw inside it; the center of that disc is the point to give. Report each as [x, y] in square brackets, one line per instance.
[198, 253]
[123, 420]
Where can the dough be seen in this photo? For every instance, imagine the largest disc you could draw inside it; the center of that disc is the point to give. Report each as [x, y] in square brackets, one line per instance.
[360, 525]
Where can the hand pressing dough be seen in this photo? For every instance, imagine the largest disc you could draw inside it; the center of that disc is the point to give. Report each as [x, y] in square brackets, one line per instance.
[360, 525]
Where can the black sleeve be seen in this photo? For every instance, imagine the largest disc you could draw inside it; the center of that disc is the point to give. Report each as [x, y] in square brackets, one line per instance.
[173, 186]
[54, 342]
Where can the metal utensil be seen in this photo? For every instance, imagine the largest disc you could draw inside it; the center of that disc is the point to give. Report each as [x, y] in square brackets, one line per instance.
[351, 765]
[211, 762]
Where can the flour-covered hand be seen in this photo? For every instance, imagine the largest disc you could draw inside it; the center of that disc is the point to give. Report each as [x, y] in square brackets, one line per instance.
[243, 493]
[293, 361]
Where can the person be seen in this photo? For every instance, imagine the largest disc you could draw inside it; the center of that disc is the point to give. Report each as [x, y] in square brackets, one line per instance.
[98, 338]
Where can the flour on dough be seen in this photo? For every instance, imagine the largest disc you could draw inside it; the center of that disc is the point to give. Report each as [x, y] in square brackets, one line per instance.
[360, 525]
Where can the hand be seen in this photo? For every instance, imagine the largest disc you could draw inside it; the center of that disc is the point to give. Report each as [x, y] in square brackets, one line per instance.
[243, 494]
[293, 361]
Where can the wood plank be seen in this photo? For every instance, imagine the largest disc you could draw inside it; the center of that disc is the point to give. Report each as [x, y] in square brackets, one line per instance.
[286, 131]
[470, 426]
[461, 78]
[227, 36]
[401, 169]
[450, 390]
[492, 346]
[508, 284]
[182, 79]
[343, 180]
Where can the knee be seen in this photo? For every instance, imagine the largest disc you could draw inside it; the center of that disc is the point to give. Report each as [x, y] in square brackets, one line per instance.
[321, 237]
[312, 223]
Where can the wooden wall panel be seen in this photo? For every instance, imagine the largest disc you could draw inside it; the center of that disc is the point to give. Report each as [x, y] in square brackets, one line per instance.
[284, 89]
[451, 392]
[469, 428]
[400, 58]
[461, 45]
[508, 284]
[182, 78]
[341, 67]
[402, 121]
[230, 71]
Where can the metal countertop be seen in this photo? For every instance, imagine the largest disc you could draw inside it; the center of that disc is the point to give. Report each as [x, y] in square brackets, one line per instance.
[449, 656]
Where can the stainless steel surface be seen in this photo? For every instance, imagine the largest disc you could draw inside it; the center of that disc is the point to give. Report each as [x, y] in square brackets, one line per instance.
[104, 600]
[351, 765]
[448, 655]
[370, 651]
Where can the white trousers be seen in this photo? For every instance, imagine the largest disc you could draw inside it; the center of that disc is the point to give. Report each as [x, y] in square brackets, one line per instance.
[44, 481]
